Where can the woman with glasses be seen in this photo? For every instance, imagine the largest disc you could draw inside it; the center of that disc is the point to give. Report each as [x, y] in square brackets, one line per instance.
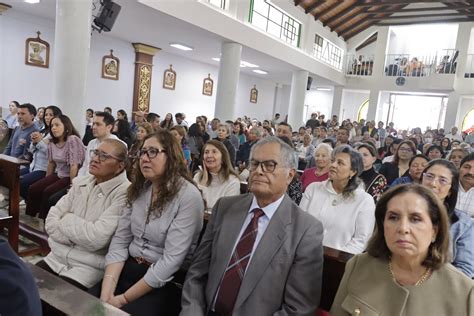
[217, 178]
[81, 224]
[341, 203]
[157, 233]
[400, 164]
[405, 270]
[442, 177]
[66, 153]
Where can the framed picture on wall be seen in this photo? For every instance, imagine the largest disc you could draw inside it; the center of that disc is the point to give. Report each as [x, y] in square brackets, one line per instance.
[37, 51]
[254, 94]
[169, 78]
[110, 66]
[207, 85]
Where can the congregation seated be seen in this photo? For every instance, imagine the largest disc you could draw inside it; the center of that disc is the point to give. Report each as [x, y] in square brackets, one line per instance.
[21, 138]
[341, 203]
[65, 155]
[157, 232]
[39, 152]
[434, 152]
[406, 269]
[415, 169]
[320, 172]
[81, 225]
[217, 177]
[442, 177]
[456, 155]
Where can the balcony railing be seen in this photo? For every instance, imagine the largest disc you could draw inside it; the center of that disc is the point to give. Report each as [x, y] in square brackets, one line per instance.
[469, 70]
[359, 65]
[447, 61]
[218, 3]
[406, 65]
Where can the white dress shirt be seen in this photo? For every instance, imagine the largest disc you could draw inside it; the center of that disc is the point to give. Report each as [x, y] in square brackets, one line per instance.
[465, 201]
[348, 222]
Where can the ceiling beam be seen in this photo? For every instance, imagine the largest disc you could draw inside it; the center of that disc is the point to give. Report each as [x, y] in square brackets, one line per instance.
[314, 5]
[424, 9]
[355, 31]
[297, 2]
[340, 14]
[369, 41]
[417, 16]
[329, 8]
[426, 22]
[348, 17]
[392, 2]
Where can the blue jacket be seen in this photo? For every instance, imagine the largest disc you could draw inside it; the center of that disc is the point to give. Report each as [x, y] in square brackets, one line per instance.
[462, 235]
[18, 291]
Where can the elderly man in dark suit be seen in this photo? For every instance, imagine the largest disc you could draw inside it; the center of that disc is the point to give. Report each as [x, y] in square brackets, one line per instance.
[260, 254]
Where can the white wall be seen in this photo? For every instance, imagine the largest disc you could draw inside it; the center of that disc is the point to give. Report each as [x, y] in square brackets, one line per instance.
[351, 101]
[318, 101]
[34, 84]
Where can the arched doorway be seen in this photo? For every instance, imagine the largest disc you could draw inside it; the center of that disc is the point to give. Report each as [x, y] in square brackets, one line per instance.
[468, 120]
[363, 109]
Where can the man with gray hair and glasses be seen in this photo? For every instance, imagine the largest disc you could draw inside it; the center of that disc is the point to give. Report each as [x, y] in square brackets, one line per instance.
[260, 254]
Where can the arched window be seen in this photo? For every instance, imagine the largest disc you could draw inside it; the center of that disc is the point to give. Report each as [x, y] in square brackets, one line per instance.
[362, 113]
[468, 121]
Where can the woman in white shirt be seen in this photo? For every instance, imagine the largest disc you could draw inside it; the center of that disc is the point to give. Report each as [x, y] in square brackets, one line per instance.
[341, 203]
[217, 179]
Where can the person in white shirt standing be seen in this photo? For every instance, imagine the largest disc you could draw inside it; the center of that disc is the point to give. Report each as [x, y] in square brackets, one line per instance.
[466, 185]
[102, 126]
[454, 135]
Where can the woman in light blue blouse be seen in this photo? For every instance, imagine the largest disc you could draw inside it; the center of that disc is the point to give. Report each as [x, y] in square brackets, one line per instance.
[157, 233]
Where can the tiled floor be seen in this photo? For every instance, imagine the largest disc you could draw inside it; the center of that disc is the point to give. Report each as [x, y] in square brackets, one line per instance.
[34, 222]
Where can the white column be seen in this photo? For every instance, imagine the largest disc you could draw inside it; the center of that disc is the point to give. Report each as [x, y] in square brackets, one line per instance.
[373, 104]
[452, 110]
[71, 58]
[381, 48]
[462, 45]
[337, 102]
[229, 71]
[299, 82]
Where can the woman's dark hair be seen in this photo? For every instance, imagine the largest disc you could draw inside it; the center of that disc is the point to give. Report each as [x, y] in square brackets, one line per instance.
[396, 158]
[369, 147]
[329, 141]
[69, 129]
[195, 130]
[433, 147]
[124, 132]
[170, 182]
[438, 250]
[452, 198]
[17, 104]
[167, 123]
[56, 111]
[241, 130]
[124, 114]
[417, 156]
[226, 167]
[357, 165]
[449, 144]
[181, 131]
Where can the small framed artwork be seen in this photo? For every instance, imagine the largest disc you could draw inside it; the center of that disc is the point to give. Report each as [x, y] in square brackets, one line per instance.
[169, 78]
[37, 52]
[254, 94]
[110, 66]
[207, 85]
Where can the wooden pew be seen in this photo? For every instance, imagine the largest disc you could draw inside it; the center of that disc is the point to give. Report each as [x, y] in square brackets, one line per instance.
[61, 298]
[333, 270]
[10, 178]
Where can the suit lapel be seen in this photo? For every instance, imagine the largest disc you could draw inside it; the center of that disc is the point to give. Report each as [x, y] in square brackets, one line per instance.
[271, 241]
[231, 224]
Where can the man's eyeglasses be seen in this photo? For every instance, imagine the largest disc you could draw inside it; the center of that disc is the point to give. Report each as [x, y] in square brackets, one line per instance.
[102, 156]
[431, 177]
[150, 152]
[268, 166]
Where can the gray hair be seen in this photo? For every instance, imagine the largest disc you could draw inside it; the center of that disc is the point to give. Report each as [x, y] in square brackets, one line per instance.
[288, 155]
[325, 146]
[120, 149]
[226, 126]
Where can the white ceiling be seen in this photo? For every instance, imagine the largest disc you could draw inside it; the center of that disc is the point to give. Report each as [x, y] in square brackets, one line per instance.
[139, 23]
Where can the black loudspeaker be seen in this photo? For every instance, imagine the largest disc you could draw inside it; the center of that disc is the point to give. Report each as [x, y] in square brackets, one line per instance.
[108, 14]
[308, 85]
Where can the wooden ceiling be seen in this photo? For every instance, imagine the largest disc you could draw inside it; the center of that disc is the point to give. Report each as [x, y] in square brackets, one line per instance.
[349, 17]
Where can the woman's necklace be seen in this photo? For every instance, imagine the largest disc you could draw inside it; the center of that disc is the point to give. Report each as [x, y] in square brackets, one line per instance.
[420, 281]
